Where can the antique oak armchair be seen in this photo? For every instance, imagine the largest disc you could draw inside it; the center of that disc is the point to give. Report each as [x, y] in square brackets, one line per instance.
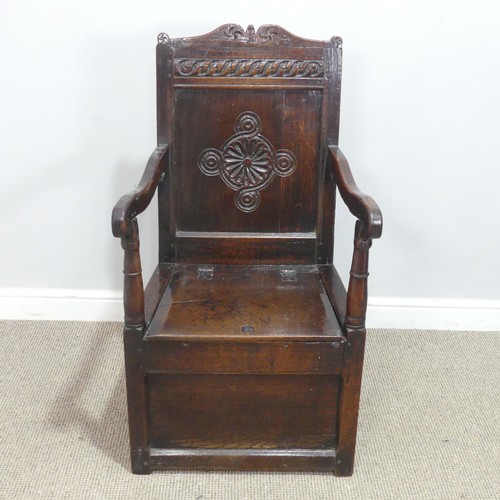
[245, 351]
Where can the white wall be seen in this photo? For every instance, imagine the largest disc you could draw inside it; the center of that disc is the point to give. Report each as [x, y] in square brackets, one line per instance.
[419, 123]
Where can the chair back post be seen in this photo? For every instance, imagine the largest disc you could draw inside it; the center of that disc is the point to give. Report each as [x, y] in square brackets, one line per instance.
[357, 293]
[133, 289]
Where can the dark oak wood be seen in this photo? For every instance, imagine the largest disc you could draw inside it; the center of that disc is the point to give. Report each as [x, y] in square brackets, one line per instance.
[155, 289]
[222, 248]
[242, 411]
[136, 400]
[243, 459]
[249, 356]
[134, 203]
[245, 351]
[133, 290]
[245, 303]
[363, 207]
[335, 290]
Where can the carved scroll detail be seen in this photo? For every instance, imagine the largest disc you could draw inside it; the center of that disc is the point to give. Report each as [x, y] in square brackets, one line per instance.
[337, 42]
[247, 162]
[265, 34]
[233, 32]
[268, 34]
[280, 68]
[163, 38]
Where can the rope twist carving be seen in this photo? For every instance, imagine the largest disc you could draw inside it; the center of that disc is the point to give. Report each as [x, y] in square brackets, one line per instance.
[279, 68]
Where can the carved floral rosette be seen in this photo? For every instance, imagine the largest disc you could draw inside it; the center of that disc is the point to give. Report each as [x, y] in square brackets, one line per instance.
[247, 162]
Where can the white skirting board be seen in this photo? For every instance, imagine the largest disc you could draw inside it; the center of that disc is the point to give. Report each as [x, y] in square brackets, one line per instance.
[433, 314]
[383, 312]
[61, 304]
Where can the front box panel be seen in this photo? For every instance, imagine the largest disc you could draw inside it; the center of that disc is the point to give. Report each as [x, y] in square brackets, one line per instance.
[242, 411]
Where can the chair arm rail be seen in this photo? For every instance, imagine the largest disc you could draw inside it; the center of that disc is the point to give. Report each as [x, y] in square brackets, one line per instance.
[360, 205]
[135, 202]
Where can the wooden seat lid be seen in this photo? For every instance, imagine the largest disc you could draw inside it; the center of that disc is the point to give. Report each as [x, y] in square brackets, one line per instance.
[246, 303]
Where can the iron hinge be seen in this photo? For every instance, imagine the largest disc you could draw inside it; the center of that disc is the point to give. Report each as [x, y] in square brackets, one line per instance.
[288, 274]
[205, 272]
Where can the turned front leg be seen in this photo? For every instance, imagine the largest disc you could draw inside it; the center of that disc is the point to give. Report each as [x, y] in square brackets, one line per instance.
[134, 366]
[352, 367]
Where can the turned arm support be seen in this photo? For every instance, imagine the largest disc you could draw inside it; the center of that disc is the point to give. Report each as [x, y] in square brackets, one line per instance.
[368, 227]
[124, 224]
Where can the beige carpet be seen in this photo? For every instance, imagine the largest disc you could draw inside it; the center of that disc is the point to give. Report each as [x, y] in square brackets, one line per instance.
[429, 424]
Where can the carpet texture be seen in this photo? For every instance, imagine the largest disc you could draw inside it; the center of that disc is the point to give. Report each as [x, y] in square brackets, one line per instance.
[429, 424]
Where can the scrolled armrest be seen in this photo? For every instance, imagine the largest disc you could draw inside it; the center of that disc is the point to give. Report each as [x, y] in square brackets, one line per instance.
[360, 205]
[135, 202]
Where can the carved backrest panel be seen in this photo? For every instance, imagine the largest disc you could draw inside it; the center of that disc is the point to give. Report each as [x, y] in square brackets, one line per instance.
[248, 115]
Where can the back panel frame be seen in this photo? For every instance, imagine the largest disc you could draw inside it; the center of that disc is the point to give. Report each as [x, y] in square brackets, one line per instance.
[273, 69]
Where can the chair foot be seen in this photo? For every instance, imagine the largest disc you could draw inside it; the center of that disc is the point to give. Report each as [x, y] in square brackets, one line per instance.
[344, 467]
[140, 460]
